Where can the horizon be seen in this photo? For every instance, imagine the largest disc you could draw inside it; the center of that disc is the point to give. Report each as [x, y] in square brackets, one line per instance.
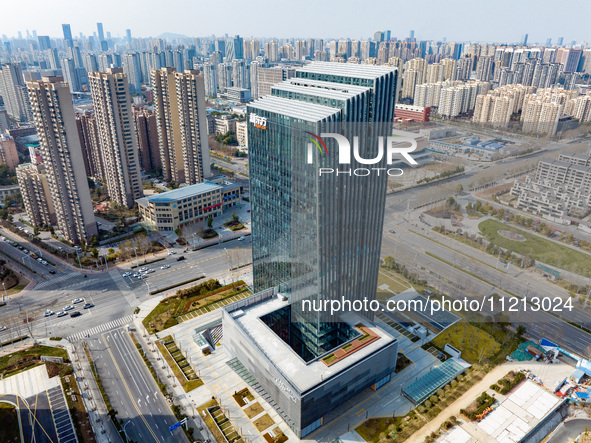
[456, 20]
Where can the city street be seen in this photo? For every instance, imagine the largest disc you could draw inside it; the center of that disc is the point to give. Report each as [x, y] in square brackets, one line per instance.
[410, 249]
[131, 389]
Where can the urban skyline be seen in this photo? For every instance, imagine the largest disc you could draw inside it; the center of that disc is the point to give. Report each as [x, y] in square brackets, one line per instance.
[456, 20]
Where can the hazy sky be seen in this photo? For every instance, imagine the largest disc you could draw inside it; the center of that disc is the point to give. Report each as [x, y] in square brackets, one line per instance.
[475, 20]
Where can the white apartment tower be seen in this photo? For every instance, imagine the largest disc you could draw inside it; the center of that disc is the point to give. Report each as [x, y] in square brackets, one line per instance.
[117, 139]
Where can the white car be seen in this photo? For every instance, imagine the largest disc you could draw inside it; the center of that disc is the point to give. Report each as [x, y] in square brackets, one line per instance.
[39, 259]
[164, 266]
[77, 300]
[44, 262]
[149, 271]
[143, 269]
[171, 252]
[240, 238]
[68, 308]
[48, 313]
[62, 314]
[127, 274]
[3, 328]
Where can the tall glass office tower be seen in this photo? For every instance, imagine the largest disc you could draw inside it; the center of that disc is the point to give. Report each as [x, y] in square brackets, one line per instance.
[318, 234]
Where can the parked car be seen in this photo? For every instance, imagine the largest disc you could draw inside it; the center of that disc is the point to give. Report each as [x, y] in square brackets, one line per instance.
[164, 266]
[181, 258]
[3, 328]
[171, 252]
[127, 274]
[52, 271]
[144, 269]
[149, 271]
[240, 238]
[77, 300]
[76, 314]
[68, 308]
[88, 306]
[48, 313]
[62, 313]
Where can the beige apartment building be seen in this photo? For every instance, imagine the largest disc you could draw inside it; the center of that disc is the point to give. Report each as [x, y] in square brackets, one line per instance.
[8, 152]
[34, 186]
[59, 143]
[181, 118]
[117, 138]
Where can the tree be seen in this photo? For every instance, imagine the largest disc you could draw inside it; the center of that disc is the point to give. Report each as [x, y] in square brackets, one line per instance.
[459, 189]
[95, 252]
[521, 330]
[210, 222]
[234, 216]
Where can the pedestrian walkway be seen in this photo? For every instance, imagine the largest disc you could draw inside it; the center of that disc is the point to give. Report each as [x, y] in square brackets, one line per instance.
[59, 279]
[101, 328]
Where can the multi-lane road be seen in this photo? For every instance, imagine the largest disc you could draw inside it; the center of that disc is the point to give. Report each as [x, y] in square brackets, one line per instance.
[461, 274]
[131, 389]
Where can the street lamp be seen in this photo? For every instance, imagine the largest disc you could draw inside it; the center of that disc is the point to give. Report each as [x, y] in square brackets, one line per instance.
[5, 296]
[126, 438]
[136, 260]
[77, 255]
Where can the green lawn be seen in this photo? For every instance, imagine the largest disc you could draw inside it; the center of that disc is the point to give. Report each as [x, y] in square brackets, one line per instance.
[16, 358]
[473, 342]
[540, 249]
[395, 282]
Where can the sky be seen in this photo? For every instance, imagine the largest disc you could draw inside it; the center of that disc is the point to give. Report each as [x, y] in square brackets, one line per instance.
[456, 20]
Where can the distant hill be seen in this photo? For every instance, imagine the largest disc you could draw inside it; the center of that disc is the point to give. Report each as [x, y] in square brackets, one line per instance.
[171, 36]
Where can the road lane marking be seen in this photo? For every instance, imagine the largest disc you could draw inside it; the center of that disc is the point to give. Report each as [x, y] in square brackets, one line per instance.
[129, 393]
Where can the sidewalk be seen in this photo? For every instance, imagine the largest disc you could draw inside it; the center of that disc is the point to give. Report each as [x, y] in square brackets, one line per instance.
[179, 396]
[103, 427]
[218, 383]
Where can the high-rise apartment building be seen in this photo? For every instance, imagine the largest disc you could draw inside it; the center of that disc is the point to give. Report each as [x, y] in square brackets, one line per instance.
[132, 67]
[89, 140]
[71, 74]
[14, 92]
[210, 78]
[53, 111]
[147, 136]
[179, 99]
[117, 138]
[36, 194]
[268, 77]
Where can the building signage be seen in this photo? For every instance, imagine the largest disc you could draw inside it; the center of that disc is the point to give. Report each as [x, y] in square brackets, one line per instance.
[258, 121]
[285, 389]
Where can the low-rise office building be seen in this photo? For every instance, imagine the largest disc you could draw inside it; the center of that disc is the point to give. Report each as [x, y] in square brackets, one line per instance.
[304, 392]
[191, 204]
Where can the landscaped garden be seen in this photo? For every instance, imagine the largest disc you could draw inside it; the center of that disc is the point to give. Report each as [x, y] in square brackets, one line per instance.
[474, 343]
[219, 425]
[540, 249]
[187, 300]
[181, 368]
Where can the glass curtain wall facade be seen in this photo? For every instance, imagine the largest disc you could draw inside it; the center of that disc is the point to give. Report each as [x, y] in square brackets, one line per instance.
[320, 233]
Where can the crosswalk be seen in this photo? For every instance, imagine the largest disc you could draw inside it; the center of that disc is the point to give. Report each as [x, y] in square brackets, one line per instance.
[101, 328]
[59, 279]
